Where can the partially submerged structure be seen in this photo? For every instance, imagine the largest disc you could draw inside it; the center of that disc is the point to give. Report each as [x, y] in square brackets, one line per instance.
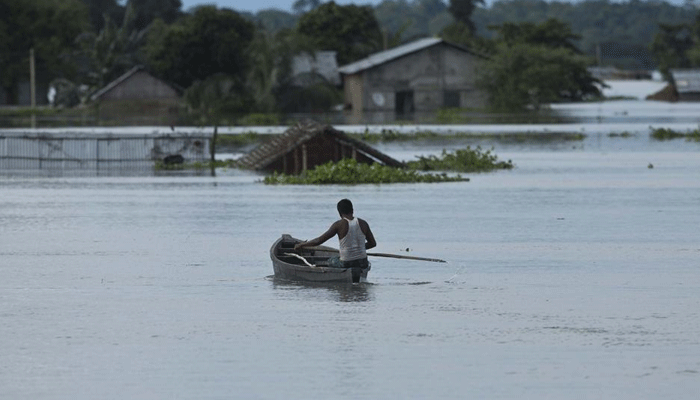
[687, 84]
[99, 149]
[418, 77]
[307, 145]
[684, 86]
[138, 97]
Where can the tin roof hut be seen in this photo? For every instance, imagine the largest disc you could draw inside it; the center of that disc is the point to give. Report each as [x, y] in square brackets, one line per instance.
[687, 84]
[137, 97]
[307, 145]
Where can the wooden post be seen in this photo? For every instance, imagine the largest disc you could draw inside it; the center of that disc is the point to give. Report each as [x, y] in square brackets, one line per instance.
[212, 149]
[32, 85]
[297, 167]
[304, 157]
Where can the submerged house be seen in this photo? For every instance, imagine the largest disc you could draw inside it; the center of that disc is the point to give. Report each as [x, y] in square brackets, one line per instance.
[307, 145]
[139, 97]
[421, 76]
[687, 84]
[684, 86]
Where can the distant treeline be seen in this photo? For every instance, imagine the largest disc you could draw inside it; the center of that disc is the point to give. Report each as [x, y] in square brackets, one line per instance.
[617, 33]
[227, 62]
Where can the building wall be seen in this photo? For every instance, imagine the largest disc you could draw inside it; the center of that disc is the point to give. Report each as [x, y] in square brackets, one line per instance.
[429, 77]
[140, 99]
[141, 85]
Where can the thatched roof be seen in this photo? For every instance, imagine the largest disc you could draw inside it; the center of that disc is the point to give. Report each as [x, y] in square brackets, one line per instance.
[279, 146]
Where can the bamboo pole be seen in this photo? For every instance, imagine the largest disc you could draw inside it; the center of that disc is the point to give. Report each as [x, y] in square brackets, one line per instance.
[32, 86]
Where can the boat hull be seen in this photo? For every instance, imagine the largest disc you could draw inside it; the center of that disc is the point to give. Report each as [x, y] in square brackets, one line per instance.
[291, 268]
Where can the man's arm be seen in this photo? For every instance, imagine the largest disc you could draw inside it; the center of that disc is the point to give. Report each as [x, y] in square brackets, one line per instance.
[332, 231]
[369, 236]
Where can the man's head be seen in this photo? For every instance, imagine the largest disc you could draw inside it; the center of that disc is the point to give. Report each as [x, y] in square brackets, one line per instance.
[345, 207]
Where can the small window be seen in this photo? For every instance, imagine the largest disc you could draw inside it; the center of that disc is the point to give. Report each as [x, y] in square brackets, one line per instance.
[451, 99]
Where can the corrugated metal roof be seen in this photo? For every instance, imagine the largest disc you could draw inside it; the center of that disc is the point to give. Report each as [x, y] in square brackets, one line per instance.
[388, 55]
[271, 150]
[123, 78]
[687, 80]
[116, 82]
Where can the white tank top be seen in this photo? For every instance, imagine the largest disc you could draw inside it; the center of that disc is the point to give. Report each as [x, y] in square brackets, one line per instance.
[352, 246]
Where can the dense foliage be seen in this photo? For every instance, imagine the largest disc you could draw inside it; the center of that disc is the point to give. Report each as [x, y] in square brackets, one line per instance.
[208, 42]
[350, 30]
[350, 172]
[677, 46]
[461, 160]
[618, 32]
[525, 75]
[49, 27]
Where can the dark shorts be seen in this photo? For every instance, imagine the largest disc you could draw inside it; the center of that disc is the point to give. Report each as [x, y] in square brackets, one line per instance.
[357, 267]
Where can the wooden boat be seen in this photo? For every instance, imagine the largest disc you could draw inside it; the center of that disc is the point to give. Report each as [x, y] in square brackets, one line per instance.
[309, 264]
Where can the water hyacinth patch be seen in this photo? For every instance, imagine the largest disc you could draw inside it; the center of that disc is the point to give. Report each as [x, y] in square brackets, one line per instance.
[670, 134]
[462, 160]
[351, 172]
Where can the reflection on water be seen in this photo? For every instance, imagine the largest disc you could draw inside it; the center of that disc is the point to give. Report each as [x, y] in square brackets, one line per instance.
[343, 292]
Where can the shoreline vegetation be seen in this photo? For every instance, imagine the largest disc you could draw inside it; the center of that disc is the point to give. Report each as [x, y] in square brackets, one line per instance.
[670, 134]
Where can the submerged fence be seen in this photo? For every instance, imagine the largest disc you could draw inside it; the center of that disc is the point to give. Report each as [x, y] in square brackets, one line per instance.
[99, 150]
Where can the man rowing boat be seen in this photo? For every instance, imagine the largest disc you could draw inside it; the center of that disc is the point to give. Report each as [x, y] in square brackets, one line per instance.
[355, 238]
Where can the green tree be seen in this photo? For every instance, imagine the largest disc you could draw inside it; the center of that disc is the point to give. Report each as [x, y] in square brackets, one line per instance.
[671, 47]
[552, 33]
[218, 99]
[523, 76]
[99, 10]
[48, 26]
[112, 51]
[462, 11]
[352, 31]
[146, 11]
[536, 64]
[208, 42]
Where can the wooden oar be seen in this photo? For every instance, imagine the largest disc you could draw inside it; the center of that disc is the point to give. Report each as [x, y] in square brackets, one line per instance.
[384, 255]
[406, 257]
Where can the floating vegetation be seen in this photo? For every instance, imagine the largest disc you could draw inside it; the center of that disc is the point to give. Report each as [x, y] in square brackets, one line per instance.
[462, 160]
[351, 172]
[621, 134]
[670, 134]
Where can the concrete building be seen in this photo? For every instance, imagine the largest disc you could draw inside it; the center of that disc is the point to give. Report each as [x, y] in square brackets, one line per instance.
[416, 78]
[138, 97]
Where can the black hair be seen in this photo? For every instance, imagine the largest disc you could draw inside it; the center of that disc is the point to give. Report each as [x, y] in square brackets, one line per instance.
[345, 207]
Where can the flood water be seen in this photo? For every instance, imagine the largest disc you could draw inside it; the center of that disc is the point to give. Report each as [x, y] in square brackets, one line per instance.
[575, 275]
